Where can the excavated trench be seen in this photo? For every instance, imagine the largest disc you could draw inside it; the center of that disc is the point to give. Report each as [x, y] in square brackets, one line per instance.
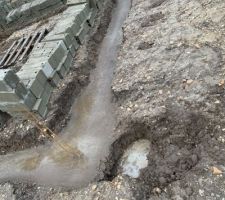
[90, 128]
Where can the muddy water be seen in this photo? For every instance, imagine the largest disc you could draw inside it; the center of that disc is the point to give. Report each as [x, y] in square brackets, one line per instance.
[90, 129]
[135, 158]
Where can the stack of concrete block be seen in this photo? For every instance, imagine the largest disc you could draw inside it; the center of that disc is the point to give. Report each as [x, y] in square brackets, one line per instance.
[30, 88]
[14, 96]
[42, 72]
[33, 9]
[74, 22]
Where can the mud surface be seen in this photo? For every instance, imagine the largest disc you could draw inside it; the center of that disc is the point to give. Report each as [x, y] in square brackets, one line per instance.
[169, 89]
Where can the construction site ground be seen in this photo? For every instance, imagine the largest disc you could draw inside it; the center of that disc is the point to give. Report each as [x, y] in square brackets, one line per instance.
[168, 88]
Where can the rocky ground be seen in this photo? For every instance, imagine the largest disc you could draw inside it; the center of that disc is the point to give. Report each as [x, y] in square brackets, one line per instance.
[168, 88]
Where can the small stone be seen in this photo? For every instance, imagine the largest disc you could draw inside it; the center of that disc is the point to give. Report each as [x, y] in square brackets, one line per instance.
[217, 102]
[160, 92]
[94, 187]
[157, 190]
[189, 82]
[201, 192]
[222, 82]
[216, 171]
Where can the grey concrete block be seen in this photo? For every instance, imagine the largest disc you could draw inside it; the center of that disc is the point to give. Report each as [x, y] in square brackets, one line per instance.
[83, 32]
[35, 87]
[13, 107]
[37, 105]
[48, 3]
[30, 100]
[55, 79]
[72, 50]
[68, 62]
[70, 43]
[8, 76]
[61, 70]
[47, 93]
[64, 37]
[41, 108]
[38, 73]
[35, 60]
[73, 10]
[21, 90]
[92, 16]
[9, 96]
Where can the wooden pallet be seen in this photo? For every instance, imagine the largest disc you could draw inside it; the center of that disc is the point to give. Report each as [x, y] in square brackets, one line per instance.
[21, 48]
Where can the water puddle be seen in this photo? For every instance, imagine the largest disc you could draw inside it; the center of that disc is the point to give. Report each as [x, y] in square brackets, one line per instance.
[135, 158]
[90, 129]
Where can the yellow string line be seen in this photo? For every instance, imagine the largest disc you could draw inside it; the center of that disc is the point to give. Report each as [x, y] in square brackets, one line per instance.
[45, 130]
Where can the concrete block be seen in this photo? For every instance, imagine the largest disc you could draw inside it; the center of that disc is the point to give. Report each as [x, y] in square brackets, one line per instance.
[68, 62]
[64, 37]
[9, 96]
[58, 30]
[55, 79]
[83, 32]
[21, 90]
[92, 16]
[61, 70]
[30, 100]
[38, 73]
[70, 43]
[35, 60]
[47, 93]
[8, 76]
[85, 11]
[73, 10]
[35, 87]
[41, 108]
[13, 107]
[48, 3]
[72, 50]
[37, 105]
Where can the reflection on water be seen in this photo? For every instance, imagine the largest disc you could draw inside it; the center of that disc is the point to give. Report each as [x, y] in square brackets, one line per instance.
[31, 163]
[89, 131]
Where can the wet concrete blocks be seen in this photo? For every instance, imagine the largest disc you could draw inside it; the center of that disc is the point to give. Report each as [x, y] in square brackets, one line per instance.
[49, 61]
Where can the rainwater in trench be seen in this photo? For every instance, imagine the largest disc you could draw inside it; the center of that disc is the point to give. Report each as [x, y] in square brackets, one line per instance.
[90, 128]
